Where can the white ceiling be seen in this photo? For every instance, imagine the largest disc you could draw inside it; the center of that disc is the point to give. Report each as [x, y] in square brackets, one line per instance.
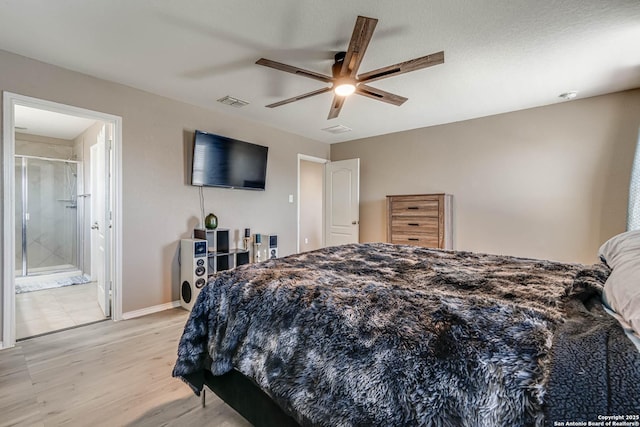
[500, 55]
[34, 121]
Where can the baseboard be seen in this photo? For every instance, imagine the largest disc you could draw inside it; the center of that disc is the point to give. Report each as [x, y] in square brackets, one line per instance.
[7, 347]
[150, 310]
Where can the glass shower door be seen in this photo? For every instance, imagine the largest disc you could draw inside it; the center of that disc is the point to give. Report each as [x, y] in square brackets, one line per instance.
[49, 216]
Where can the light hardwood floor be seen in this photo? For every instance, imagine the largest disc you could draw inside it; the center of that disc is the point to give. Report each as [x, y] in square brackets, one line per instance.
[105, 374]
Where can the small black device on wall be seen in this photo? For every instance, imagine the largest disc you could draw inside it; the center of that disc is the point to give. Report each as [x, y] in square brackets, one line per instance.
[193, 270]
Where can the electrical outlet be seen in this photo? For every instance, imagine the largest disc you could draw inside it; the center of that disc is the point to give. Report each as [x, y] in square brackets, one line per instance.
[290, 198]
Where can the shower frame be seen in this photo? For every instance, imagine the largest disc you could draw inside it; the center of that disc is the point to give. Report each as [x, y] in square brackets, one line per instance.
[79, 217]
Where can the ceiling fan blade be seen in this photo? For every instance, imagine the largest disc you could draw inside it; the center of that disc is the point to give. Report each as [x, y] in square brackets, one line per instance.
[336, 106]
[294, 70]
[299, 97]
[380, 95]
[362, 33]
[403, 67]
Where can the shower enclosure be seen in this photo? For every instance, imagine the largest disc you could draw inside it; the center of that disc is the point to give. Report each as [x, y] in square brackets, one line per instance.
[47, 231]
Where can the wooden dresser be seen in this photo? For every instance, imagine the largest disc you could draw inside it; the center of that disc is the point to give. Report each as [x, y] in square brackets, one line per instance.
[421, 220]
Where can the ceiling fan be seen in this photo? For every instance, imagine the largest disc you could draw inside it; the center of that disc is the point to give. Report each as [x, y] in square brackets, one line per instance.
[345, 80]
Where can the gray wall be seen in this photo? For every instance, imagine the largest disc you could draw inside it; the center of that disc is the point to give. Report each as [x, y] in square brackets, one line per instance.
[549, 182]
[159, 206]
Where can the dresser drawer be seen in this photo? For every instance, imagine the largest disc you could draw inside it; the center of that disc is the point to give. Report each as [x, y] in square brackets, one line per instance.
[416, 240]
[415, 225]
[417, 207]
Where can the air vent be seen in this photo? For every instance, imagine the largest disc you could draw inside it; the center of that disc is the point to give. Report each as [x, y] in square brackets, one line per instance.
[337, 129]
[568, 96]
[234, 102]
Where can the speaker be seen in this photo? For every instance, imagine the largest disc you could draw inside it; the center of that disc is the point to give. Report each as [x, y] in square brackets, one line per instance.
[270, 245]
[193, 270]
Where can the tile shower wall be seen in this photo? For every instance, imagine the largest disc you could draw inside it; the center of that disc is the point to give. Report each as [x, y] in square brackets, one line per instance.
[42, 146]
[51, 228]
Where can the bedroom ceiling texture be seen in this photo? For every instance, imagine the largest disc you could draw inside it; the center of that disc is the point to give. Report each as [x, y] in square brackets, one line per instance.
[500, 55]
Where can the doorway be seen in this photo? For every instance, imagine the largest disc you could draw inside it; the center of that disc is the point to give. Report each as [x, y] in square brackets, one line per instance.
[328, 202]
[54, 288]
[49, 279]
[310, 203]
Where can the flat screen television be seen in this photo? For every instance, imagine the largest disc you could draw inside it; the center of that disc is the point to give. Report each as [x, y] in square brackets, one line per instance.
[219, 161]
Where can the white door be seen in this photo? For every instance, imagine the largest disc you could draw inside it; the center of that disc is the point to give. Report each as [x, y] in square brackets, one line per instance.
[100, 226]
[342, 199]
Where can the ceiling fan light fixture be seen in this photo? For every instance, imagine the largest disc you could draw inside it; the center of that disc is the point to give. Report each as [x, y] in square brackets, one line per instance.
[345, 78]
[344, 88]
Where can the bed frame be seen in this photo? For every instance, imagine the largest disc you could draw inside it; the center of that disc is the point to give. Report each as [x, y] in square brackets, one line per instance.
[247, 399]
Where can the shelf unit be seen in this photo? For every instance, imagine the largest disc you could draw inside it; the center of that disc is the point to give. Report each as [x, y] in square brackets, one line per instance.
[220, 256]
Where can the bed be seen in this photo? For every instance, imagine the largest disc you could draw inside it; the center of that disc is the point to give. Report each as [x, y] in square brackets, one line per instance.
[389, 335]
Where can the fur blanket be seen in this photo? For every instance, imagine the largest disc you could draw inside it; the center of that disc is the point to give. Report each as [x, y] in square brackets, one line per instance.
[379, 334]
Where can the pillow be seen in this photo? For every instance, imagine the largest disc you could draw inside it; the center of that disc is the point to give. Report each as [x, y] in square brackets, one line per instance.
[622, 288]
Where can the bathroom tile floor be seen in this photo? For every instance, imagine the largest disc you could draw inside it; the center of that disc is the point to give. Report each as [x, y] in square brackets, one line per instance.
[49, 310]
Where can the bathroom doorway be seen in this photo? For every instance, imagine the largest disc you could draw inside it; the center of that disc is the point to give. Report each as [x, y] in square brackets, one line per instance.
[55, 287]
[49, 283]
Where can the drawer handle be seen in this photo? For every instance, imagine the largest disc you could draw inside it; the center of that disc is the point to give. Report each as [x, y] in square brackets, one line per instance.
[413, 207]
[414, 224]
[413, 239]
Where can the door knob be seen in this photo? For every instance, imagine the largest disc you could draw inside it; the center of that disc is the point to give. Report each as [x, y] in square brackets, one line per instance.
[95, 226]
